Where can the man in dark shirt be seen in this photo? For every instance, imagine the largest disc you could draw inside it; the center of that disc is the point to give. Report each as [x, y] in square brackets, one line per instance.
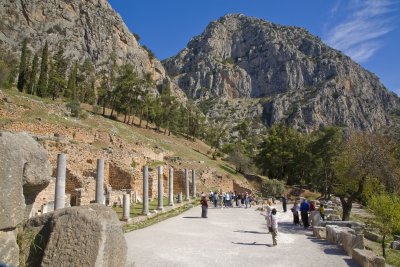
[304, 208]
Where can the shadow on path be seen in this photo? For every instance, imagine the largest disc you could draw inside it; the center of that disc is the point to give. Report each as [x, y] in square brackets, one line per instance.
[290, 228]
[252, 244]
[250, 232]
[193, 217]
[332, 249]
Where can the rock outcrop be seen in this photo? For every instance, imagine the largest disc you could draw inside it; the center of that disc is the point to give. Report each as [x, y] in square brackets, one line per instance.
[298, 79]
[84, 28]
[24, 172]
[78, 236]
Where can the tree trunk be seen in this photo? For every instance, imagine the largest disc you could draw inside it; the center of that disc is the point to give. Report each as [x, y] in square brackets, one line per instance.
[383, 246]
[346, 205]
[104, 108]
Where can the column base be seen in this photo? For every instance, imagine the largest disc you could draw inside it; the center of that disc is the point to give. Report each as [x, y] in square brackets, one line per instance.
[171, 204]
[160, 209]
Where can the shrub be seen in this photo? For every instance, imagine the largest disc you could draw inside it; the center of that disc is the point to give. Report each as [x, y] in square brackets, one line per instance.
[75, 108]
[272, 187]
[83, 115]
[96, 109]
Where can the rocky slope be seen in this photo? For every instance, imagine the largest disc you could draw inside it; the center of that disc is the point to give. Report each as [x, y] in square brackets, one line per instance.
[85, 28]
[297, 78]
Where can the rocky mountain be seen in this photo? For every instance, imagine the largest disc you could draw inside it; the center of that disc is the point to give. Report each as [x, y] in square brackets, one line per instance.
[295, 76]
[85, 28]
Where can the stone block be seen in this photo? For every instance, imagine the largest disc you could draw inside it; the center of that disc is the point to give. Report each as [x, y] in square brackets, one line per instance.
[333, 217]
[78, 236]
[351, 241]
[329, 211]
[319, 232]
[395, 245]
[367, 258]
[334, 233]
[372, 236]
[9, 250]
[25, 171]
[315, 218]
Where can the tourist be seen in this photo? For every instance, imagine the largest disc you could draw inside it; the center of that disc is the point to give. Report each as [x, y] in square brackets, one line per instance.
[211, 196]
[246, 199]
[274, 227]
[304, 209]
[242, 198]
[312, 205]
[284, 202]
[215, 199]
[322, 211]
[268, 209]
[227, 199]
[295, 211]
[239, 200]
[204, 206]
[250, 200]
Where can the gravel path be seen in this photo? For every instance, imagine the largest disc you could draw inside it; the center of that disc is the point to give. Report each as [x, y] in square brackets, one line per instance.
[229, 237]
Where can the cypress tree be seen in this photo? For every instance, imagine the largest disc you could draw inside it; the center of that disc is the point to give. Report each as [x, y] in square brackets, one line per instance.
[22, 71]
[71, 87]
[32, 79]
[43, 77]
[57, 82]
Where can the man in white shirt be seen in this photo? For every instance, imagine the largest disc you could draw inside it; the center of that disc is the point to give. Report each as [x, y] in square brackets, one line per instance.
[274, 226]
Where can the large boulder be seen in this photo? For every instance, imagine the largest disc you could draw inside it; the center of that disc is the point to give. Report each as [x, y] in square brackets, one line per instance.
[24, 172]
[78, 236]
[9, 251]
[367, 258]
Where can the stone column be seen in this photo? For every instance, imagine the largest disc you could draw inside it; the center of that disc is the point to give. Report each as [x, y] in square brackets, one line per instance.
[193, 183]
[59, 197]
[145, 198]
[127, 207]
[100, 182]
[160, 188]
[180, 197]
[135, 197]
[171, 187]
[187, 196]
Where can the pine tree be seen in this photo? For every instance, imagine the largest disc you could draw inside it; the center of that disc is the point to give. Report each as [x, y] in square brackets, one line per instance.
[43, 77]
[32, 78]
[71, 87]
[57, 82]
[22, 77]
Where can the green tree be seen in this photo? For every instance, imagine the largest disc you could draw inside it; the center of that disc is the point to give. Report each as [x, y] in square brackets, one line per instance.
[386, 208]
[57, 82]
[86, 82]
[71, 91]
[33, 75]
[324, 148]
[23, 67]
[43, 76]
[237, 156]
[272, 187]
[364, 157]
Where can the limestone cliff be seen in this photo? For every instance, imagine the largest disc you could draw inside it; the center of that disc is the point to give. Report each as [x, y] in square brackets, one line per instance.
[85, 28]
[298, 78]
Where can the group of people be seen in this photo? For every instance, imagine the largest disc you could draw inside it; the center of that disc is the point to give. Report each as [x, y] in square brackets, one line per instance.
[226, 199]
[304, 209]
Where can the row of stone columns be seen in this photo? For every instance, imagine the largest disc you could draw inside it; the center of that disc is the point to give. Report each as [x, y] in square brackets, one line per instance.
[59, 202]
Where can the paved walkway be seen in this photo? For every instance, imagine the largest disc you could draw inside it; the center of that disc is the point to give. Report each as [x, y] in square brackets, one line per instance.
[229, 237]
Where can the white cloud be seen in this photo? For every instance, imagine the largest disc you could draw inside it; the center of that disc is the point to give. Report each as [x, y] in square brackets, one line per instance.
[358, 34]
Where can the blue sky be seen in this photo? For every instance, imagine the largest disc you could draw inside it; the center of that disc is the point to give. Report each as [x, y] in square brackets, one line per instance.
[366, 30]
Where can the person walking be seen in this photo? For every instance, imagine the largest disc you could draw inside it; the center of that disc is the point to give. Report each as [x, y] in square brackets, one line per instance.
[246, 199]
[204, 206]
[322, 211]
[284, 203]
[295, 211]
[304, 208]
[274, 227]
[268, 209]
[215, 199]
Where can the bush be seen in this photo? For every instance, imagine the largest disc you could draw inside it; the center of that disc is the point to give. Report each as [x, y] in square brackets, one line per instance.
[272, 187]
[83, 115]
[96, 109]
[75, 108]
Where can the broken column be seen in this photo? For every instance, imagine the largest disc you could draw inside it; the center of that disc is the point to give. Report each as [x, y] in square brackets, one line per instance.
[187, 197]
[100, 182]
[127, 207]
[160, 188]
[145, 190]
[171, 187]
[180, 197]
[193, 184]
[59, 198]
